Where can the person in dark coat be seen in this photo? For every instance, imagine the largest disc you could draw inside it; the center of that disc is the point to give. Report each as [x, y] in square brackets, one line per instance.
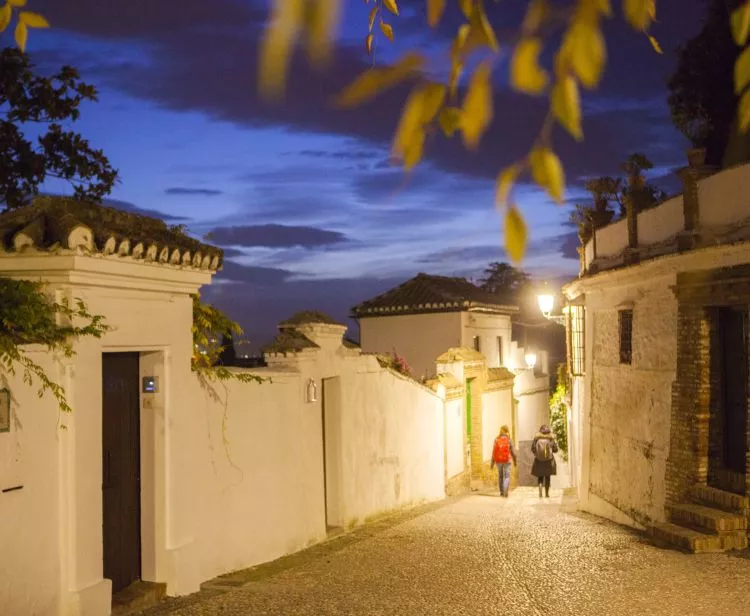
[544, 447]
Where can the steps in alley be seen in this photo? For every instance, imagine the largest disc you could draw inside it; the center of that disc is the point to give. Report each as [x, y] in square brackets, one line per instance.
[711, 521]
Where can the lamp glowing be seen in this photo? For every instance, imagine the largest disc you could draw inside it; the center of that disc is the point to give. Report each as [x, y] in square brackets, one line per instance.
[312, 391]
[530, 359]
[546, 303]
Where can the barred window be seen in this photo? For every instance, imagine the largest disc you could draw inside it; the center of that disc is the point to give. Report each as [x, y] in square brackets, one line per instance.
[500, 351]
[576, 340]
[626, 336]
[477, 344]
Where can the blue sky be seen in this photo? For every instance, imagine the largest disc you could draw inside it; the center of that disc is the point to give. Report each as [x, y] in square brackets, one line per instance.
[301, 195]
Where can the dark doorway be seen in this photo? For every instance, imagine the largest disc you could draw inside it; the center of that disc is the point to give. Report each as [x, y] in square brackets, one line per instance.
[728, 424]
[121, 469]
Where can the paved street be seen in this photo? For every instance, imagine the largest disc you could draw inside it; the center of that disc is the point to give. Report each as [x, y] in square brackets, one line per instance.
[484, 555]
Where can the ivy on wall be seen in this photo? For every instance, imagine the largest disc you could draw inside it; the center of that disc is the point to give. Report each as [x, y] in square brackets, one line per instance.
[29, 315]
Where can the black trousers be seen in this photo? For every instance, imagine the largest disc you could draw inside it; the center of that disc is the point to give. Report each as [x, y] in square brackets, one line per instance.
[545, 481]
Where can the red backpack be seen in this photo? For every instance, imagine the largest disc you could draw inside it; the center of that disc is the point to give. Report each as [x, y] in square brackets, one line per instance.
[501, 450]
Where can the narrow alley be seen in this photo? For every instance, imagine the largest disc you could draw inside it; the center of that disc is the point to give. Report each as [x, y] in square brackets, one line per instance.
[481, 554]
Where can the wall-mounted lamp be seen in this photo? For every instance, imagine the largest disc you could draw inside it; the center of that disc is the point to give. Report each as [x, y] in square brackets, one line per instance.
[312, 391]
[530, 359]
[546, 304]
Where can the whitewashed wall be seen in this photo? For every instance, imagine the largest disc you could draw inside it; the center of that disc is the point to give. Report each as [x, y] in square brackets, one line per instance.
[724, 198]
[497, 410]
[455, 428]
[29, 529]
[419, 338]
[612, 239]
[661, 223]
[488, 328]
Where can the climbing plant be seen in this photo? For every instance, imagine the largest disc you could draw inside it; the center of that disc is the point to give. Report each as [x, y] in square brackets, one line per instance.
[212, 330]
[558, 411]
[29, 315]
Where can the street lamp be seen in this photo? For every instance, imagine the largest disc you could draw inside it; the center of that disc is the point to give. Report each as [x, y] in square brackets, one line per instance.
[546, 304]
[530, 359]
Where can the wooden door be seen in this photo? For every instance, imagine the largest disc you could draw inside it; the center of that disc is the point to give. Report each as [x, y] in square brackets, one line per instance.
[729, 413]
[121, 469]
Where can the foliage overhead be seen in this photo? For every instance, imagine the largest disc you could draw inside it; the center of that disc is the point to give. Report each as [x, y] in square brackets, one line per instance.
[28, 99]
[558, 411]
[28, 315]
[711, 77]
[441, 105]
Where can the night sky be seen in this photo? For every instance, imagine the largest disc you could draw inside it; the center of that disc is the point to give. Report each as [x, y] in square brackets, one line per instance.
[302, 196]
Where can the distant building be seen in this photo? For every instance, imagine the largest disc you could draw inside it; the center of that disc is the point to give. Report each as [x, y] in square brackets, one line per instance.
[426, 315]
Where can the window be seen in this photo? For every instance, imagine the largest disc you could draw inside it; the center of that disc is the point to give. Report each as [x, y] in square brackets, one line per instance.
[626, 336]
[499, 350]
[576, 340]
[477, 344]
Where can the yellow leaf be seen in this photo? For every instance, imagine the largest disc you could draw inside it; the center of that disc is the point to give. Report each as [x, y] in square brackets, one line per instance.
[655, 44]
[435, 10]
[547, 171]
[744, 112]
[525, 73]
[18, 3]
[408, 126]
[386, 30]
[535, 16]
[373, 81]
[480, 33]
[391, 6]
[741, 24]
[467, 7]
[22, 34]
[5, 16]
[585, 50]
[515, 234]
[368, 43]
[566, 106]
[322, 20]
[478, 106]
[277, 45]
[505, 181]
[604, 7]
[413, 152]
[434, 95]
[742, 71]
[456, 70]
[460, 41]
[639, 13]
[373, 14]
[449, 120]
[33, 20]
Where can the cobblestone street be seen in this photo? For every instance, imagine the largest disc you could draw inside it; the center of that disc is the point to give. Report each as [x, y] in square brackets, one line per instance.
[483, 555]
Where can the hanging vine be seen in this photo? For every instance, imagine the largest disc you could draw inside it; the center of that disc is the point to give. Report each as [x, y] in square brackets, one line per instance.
[29, 315]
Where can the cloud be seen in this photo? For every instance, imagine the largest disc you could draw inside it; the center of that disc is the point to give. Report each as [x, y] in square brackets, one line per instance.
[134, 209]
[274, 236]
[203, 192]
[254, 275]
[470, 253]
[340, 154]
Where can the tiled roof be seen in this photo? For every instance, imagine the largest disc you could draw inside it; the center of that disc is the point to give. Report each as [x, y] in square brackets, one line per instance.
[289, 341]
[51, 223]
[446, 379]
[459, 354]
[426, 293]
[499, 374]
[308, 317]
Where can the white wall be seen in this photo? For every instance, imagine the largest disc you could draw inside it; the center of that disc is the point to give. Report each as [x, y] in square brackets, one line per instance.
[724, 198]
[488, 327]
[419, 338]
[455, 442]
[30, 556]
[497, 410]
[612, 239]
[661, 223]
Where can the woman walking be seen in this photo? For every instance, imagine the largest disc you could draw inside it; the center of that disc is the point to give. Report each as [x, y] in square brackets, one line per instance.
[502, 453]
[544, 447]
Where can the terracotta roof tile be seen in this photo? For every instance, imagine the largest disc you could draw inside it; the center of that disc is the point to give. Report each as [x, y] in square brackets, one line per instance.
[427, 293]
[51, 222]
[308, 317]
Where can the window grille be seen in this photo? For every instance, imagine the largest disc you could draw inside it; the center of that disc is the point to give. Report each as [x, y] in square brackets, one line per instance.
[576, 340]
[626, 336]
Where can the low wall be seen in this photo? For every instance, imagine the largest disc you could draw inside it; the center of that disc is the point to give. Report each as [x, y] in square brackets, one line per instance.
[724, 197]
[497, 410]
[455, 441]
[612, 239]
[661, 223]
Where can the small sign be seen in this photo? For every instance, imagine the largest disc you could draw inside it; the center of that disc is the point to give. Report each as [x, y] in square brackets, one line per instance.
[150, 384]
[4, 410]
